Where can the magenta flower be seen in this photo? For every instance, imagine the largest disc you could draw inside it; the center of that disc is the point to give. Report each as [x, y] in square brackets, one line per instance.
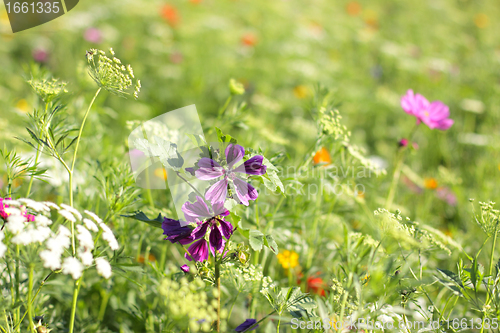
[40, 55]
[210, 169]
[185, 268]
[433, 114]
[447, 195]
[93, 35]
[5, 215]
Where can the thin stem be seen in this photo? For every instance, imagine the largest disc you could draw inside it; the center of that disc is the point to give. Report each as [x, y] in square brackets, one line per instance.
[32, 176]
[77, 144]
[191, 185]
[397, 171]
[18, 278]
[232, 306]
[490, 271]
[217, 281]
[34, 297]
[76, 290]
[30, 304]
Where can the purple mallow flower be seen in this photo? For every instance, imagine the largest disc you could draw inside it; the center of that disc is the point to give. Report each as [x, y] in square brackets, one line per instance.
[185, 268]
[246, 325]
[208, 220]
[205, 220]
[433, 114]
[210, 169]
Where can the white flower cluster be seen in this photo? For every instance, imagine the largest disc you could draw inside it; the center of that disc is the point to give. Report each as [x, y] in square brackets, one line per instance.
[55, 254]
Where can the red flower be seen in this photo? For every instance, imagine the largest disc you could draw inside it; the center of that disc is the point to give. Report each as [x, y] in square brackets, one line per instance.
[316, 285]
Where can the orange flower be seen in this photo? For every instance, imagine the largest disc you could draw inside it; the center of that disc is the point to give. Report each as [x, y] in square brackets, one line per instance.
[170, 14]
[430, 183]
[249, 39]
[322, 156]
[353, 8]
[195, 1]
[481, 20]
[151, 258]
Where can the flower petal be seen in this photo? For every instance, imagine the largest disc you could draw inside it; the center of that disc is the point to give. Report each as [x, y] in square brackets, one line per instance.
[219, 209]
[234, 154]
[215, 238]
[198, 251]
[218, 191]
[208, 169]
[226, 228]
[198, 209]
[244, 191]
[252, 166]
[174, 231]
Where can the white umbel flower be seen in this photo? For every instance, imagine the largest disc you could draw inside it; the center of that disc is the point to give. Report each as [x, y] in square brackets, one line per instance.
[73, 267]
[103, 268]
[84, 237]
[90, 225]
[67, 215]
[109, 237]
[86, 257]
[72, 211]
[51, 259]
[37, 206]
[42, 221]
[96, 218]
[15, 223]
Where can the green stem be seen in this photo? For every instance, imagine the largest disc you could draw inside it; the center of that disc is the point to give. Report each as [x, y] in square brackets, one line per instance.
[490, 271]
[397, 170]
[18, 278]
[34, 297]
[232, 306]
[77, 144]
[76, 290]
[104, 303]
[30, 294]
[32, 176]
[217, 281]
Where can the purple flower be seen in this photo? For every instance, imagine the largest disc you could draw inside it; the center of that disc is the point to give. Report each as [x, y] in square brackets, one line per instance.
[40, 55]
[185, 268]
[447, 195]
[176, 232]
[210, 169]
[434, 115]
[93, 35]
[246, 325]
[208, 220]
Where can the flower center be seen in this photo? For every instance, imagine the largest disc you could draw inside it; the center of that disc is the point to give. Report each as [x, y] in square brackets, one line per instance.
[426, 113]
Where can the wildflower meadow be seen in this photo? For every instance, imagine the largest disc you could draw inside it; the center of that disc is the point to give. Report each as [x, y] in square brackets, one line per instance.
[234, 166]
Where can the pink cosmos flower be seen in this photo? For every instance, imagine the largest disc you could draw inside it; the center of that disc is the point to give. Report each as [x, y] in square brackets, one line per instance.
[433, 114]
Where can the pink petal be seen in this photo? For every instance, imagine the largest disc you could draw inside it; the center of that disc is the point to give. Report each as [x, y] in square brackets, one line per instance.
[218, 191]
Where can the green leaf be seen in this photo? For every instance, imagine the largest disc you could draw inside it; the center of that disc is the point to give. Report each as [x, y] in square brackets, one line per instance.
[271, 243]
[451, 281]
[140, 216]
[224, 137]
[256, 239]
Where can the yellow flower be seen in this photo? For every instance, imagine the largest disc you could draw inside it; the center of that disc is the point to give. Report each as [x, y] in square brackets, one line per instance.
[301, 91]
[23, 106]
[481, 20]
[161, 173]
[288, 259]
